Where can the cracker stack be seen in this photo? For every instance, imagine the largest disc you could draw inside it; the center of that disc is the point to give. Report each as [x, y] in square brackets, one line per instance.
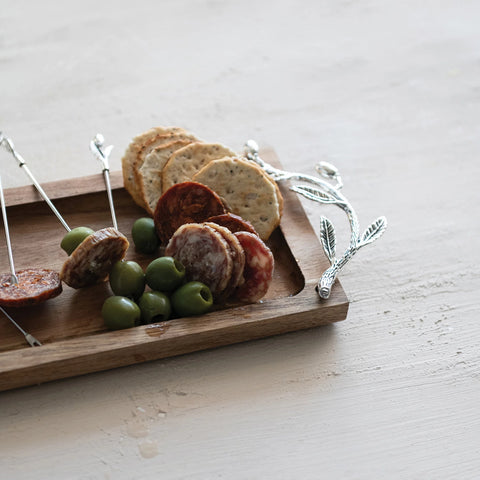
[164, 156]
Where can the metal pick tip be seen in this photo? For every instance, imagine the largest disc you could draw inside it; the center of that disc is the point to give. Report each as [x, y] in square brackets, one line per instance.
[251, 146]
[327, 169]
[32, 341]
[99, 140]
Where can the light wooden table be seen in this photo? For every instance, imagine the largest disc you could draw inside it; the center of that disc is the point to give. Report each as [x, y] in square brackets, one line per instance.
[387, 91]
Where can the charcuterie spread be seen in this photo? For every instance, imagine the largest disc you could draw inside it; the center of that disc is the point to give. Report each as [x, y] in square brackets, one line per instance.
[210, 212]
[239, 281]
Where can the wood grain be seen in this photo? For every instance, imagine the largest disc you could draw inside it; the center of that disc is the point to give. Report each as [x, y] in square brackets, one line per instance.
[71, 329]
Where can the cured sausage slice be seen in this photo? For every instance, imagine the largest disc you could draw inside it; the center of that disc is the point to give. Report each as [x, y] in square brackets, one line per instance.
[233, 222]
[238, 258]
[205, 255]
[35, 285]
[187, 202]
[258, 271]
[93, 259]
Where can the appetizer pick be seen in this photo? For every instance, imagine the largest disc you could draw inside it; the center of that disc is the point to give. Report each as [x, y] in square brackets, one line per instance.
[325, 191]
[96, 148]
[101, 249]
[25, 287]
[92, 261]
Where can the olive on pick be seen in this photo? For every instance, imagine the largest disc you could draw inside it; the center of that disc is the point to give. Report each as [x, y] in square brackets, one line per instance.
[74, 238]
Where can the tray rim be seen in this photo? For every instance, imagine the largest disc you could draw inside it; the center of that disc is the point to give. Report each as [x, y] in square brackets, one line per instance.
[107, 350]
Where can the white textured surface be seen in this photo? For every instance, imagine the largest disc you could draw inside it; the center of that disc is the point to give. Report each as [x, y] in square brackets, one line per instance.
[390, 93]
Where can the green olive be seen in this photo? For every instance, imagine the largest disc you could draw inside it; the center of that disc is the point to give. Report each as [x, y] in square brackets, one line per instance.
[144, 235]
[127, 279]
[74, 238]
[164, 274]
[120, 312]
[193, 298]
[155, 307]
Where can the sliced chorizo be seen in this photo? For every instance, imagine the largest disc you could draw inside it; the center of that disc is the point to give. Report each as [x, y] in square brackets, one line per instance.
[186, 202]
[93, 259]
[258, 270]
[205, 255]
[238, 258]
[35, 285]
[233, 222]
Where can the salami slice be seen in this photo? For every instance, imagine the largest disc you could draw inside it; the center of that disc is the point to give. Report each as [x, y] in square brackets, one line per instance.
[93, 259]
[233, 222]
[205, 255]
[238, 258]
[187, 202]
[35, 285]
[258, 271]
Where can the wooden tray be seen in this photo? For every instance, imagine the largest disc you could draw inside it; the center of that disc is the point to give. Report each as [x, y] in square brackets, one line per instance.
[70, 326]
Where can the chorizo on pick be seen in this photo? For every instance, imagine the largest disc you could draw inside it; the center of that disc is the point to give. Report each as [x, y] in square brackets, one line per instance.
[93, 259]
[186, 202]
[205, 255]
[35, 285]
[258, 270]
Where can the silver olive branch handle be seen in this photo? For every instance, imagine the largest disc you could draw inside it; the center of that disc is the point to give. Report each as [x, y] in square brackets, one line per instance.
[324, 192]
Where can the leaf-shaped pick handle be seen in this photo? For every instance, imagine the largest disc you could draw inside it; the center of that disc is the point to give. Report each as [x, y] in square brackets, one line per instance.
[314, 194]
[327, 236]
[373, 232]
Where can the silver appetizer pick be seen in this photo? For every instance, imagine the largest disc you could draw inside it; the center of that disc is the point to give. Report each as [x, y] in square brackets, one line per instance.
[96, 148]
[323, 191]
[13, 277]
[7, 142]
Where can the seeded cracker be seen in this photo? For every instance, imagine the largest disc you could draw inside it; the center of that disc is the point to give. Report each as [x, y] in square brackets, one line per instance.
[153, 145]
[187, 161]
[150, 173]
[134, 150]
[246, 189]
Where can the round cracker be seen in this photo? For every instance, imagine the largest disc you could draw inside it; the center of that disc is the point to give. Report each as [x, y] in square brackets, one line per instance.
[246, 189]
[150, 146]
[188, 160]
[134, 148]
[150, 173]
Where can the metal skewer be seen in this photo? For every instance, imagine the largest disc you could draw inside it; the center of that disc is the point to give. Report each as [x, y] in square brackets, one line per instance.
[7, 142]
[13, 277]
[32, 341]
[324, 192]
[96, 148]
